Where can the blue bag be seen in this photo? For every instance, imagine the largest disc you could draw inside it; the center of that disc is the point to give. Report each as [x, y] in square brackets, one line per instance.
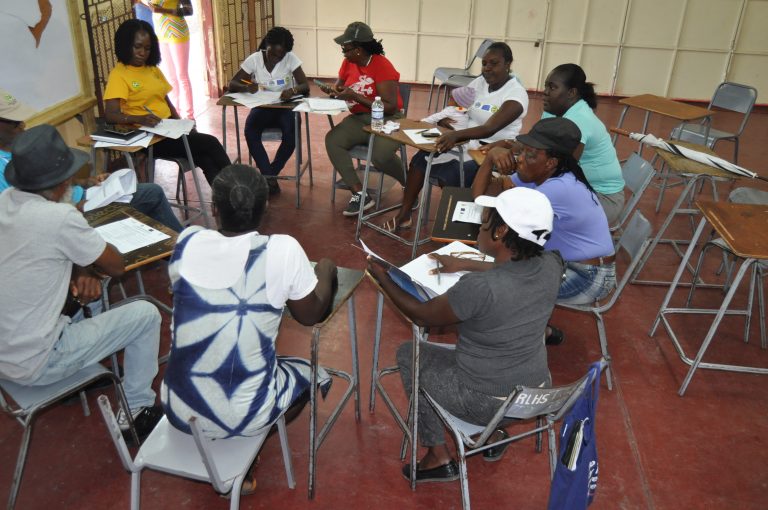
[575, 480]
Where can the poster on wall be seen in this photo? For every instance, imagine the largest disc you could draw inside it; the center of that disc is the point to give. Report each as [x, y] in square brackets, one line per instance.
[42, 59]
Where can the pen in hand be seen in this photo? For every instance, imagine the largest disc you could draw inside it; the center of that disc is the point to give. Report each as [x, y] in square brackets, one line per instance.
[437, 270]
[148, 110]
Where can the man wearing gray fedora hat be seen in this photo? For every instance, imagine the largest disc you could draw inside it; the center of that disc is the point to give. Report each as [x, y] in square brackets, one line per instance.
[48, 253]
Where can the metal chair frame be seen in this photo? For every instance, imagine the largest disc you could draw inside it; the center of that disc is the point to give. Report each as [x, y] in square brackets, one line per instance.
[445, 73]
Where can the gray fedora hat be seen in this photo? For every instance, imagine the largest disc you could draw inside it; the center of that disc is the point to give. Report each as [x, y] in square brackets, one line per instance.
[40, 159]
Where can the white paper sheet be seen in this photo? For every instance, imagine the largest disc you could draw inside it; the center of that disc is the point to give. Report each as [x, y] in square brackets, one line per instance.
[468, 212]
[322, 105]
[171, 128]
[416, 135]
[130, 234]
[143, 142]
[256, 99]
[118, 187]
[420, 267]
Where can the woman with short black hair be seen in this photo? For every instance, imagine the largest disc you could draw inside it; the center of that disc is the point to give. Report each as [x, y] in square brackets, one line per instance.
[274, 67]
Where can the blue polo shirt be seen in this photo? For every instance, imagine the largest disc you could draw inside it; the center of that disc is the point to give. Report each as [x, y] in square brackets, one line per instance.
[599, 161]
[5, 158]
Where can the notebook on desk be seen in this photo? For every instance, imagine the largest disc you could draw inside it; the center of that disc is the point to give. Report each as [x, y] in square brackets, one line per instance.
[447, 230]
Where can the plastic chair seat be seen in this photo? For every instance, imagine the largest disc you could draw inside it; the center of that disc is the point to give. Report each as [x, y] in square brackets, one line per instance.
[695, 133]
[443, 73]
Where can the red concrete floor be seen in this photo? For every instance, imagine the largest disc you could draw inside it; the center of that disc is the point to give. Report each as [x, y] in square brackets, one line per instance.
[657, 450]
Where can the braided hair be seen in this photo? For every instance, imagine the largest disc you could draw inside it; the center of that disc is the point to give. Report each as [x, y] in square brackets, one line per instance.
[371, 47]
[573, 77]
[240, 194]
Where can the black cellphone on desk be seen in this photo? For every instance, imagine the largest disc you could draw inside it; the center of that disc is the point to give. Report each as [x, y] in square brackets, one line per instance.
[430, 134]
[325, 87]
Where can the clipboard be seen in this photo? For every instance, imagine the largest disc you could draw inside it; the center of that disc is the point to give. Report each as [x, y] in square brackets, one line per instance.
[445, 230]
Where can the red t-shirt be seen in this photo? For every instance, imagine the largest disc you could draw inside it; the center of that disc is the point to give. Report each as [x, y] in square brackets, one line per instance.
[363, 79]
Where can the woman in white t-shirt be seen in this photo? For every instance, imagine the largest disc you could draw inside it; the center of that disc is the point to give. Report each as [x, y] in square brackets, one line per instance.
[273, 67]
[500, 104]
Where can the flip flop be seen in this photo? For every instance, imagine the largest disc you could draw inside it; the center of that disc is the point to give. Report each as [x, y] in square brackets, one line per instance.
[391, 225]
[248, 488]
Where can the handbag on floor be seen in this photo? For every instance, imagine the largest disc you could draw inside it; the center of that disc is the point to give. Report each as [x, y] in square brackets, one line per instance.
[575, 480]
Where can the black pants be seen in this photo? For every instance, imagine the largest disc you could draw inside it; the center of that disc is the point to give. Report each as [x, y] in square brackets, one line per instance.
[206, 150]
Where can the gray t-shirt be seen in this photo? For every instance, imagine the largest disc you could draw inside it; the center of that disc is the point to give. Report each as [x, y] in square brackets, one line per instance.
[40, 240]
[504, 313]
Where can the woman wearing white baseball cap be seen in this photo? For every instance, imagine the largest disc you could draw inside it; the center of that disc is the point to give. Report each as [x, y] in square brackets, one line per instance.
[501, 315]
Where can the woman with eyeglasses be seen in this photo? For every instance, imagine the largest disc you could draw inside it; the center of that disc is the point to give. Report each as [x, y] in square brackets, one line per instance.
[364, 74]
[580, 230]
[500, 314]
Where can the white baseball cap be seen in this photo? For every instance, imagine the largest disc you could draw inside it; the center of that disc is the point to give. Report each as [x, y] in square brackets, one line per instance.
[13, 109]
[526, 211]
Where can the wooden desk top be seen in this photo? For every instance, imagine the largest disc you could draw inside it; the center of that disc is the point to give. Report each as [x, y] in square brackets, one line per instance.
[137, 258]
[666, 107]
[87, 141]
[445, 230]
[743, 226]
[683, 165]
[348, 280]
[400, 136]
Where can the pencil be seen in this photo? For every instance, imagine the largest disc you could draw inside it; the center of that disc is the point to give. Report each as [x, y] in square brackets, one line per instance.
[148, 110]
[437, 269]
[247, 82]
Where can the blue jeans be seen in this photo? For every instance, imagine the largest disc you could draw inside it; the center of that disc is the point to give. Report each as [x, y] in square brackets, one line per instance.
[134, 327]
[584, 284]
[150, 200]
[260, 119]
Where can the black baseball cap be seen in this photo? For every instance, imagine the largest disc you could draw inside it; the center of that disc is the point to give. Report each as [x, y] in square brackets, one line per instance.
[554, 133]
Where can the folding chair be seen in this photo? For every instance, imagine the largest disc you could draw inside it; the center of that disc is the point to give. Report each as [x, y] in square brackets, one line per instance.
[637, 173]
[445, 73]
[275, 135]
[728, 96]
[360, 153]
[759, 269]
[523, 403]
[634, 240]
[224, 463]
[30, 400]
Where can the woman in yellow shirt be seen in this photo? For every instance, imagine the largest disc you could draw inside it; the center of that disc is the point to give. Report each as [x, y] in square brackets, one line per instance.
[137, 93]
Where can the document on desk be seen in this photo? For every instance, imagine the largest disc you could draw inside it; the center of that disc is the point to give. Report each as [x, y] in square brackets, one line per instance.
[419, 269]
[252, 100]
[322, 105]
[141, 142]
[118, 187]
[417, 135]
[130, 234]
[171, 128]
[468, 212]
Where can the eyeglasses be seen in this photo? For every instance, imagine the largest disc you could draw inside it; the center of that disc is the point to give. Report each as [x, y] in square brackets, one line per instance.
[468, 255]
[347, 49]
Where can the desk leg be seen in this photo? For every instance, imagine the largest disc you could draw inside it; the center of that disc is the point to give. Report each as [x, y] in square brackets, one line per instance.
[237, 135]
[309, 148]
[353, 348]
[415, 401]
[313, 411]
[376, 345]
[718, 318]
[224, 128]
[679, 273]
[676, 209]
[422, 206]
[298, 154]
[365, 186]
[196, 180]
[619, 124]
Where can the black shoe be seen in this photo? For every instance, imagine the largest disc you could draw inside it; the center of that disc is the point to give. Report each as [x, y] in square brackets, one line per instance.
[445, 473]
[274, 187]
[556, 337]
[144, 421]
[353, 208]
[495, 453]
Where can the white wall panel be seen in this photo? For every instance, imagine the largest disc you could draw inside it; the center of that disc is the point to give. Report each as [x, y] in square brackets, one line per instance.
[605, 21]
[445, 16]
[339, 13]
[643, 71]
[526, 19]
[697, 74]
[654, 23]
[709, 24]
[599, 64]
[399, 49]
[490, 18]
[296, 13]
[751, 70]
[395, 15]
[436, 51]
[566, 20]
[753, 36]
[305, 47]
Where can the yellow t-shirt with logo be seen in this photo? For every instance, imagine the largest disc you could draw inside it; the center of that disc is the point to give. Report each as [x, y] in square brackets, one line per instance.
[137, 87]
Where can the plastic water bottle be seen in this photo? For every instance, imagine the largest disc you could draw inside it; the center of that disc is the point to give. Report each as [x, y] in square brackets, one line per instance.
[377, 114]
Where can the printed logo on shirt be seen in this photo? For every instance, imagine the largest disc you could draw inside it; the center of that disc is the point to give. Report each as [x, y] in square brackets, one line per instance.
[364, 85]
[135, 84]
[486, 107]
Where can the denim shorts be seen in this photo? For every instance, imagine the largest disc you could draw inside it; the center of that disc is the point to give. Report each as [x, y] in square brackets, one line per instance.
[584, 284]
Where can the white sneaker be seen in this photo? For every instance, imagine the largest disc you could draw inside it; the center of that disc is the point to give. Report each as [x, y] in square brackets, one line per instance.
[353, 208]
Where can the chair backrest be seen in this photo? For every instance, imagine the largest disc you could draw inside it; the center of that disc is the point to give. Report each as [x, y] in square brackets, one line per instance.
[634, 240]
[480, 52]
[405, 93]
[736, 98]
[637, 173]
[748, 196]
